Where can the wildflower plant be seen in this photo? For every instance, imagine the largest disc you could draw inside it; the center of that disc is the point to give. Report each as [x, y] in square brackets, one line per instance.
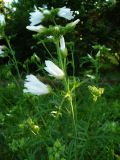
[51, 116]
[56, 34]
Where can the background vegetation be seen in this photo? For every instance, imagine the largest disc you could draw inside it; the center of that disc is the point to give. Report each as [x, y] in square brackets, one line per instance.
[99, 24]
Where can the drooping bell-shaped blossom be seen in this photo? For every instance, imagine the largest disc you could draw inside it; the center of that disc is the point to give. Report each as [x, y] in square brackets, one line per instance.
[36, 17]
[65, 13]
[34, 86]
[54, 70]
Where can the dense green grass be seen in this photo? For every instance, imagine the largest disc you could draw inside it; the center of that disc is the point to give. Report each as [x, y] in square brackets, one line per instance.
[40, 128]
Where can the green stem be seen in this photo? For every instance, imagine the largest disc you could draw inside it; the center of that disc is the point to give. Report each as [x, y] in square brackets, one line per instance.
[13, 55]
[47, 50]
[97, 74]
[73, 108]
[62, 63]
[74, 125]
[59, 54]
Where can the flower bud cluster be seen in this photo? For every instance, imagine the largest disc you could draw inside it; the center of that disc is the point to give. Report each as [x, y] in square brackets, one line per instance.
[39, 15]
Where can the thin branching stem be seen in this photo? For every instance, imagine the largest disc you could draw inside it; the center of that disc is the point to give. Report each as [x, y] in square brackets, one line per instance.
[13, 55]
[62, 63]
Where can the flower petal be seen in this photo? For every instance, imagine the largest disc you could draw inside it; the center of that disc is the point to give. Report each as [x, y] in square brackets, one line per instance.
[53, 70]
[34, 86]
[36, 17]
[65, 13]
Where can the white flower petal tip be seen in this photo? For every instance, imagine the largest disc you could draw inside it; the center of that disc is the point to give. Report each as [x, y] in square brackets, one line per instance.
[54, 70]
[36, 17]
[76, 21]
[65, 13]
[35, 86]
[39, 28]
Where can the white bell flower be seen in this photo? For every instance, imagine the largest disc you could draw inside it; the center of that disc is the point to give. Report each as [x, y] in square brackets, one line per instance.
[65, 13]
[36, 17]
[53, 70]
[35, 86]
[38, 28]
[2, 19]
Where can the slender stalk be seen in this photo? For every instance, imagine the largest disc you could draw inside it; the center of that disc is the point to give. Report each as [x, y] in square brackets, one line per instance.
[62, 63]
[59, 54]
[73, 111]
[13, 55]
[74, 83]
[47, 50]
[97, 74]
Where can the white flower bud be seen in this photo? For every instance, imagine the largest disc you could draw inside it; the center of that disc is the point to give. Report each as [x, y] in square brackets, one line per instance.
[53, 70]
[39, 28]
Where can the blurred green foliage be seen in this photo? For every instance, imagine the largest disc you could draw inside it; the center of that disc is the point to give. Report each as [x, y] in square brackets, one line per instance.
[33, 129]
